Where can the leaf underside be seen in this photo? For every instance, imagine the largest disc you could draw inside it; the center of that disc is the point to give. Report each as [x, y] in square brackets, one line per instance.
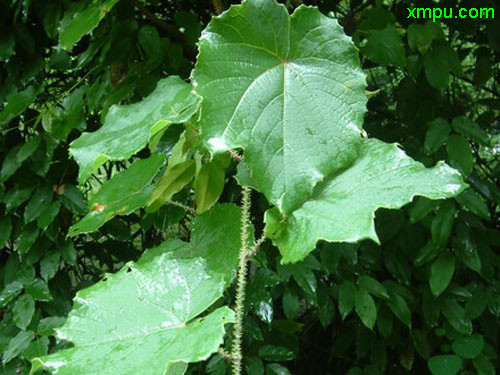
[343, 207]
[146, 317]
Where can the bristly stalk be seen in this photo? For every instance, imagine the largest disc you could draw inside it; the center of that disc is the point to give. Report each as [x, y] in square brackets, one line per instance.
[236, 352]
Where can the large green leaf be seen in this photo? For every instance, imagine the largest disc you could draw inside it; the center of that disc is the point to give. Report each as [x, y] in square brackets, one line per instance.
[343, 207]
[146, 318]
[125, 192]
[127, 128]
[81, 19]
[287, 89]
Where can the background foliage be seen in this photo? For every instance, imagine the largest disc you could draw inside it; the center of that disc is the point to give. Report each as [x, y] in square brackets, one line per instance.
[431, 291]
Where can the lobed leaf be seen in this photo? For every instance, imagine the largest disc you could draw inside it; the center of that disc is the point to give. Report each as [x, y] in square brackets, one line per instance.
[287, 89]
[343, 207]
[146, 317]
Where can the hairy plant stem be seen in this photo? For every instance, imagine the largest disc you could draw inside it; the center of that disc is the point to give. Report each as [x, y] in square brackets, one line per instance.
[236, 352]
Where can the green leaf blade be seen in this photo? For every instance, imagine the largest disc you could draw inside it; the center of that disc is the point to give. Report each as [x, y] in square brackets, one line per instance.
[343, 208]
[122, 194]
[151, 309]
[270, 89]
[441, 273]
[79, 21]
[127, 128]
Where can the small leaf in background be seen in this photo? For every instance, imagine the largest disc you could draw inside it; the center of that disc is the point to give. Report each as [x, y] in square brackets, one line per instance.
[484, 66]
[468, 347]
[46, 326]
[173, 181]
[125, 192]
[38, 202]
[151, 43]
[421, 208]
[484, 366]
[436, 69]
[36, 348]
[190, 23]
[385, 47]
[49, 265]
[7, 44]
[277, 369]
[10, 164]
[69, 117]
[442, 224]
[365, 308]
[39, 290]
[5, 231]
[473, 202]
[400, 308]
[373, 287]
[17, 345]
[347, 290]
[421, 343]
[445, 365]
[460, 154]
[290, 304]
[466, 247]
[215, 366]
[16, 104]
[69, 253]
[73, 199]
[254, 366]
[23, 311]
[439, 62]
[27, 238]
[48, 214]
[427, 253]
[208, 186]
[420, 36]
[305, 278]
[469, 128]
[455, 314]
[385, 321]
[326, 307]
[441, 273]
[436, 135]
[80, 19]
[276, 353]
[27, 149]
[476, 305]
[10, 292]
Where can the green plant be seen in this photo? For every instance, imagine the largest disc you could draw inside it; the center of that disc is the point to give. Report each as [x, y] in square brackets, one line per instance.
[277, 101]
